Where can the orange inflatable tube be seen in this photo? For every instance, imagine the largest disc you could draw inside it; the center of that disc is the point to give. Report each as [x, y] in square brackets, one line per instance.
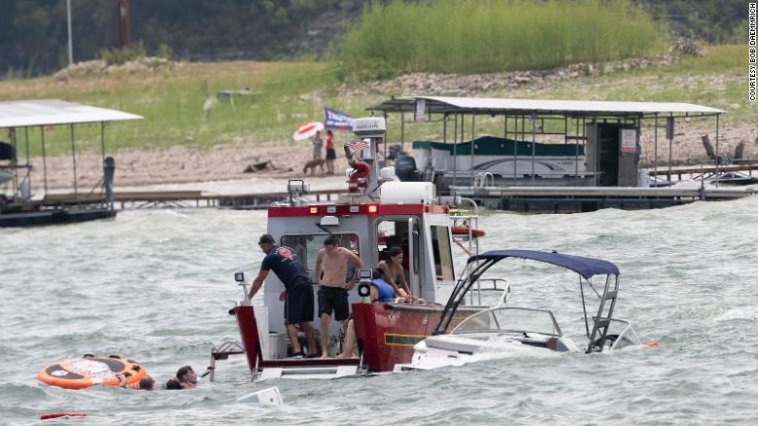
[86, 371]
[463, 230]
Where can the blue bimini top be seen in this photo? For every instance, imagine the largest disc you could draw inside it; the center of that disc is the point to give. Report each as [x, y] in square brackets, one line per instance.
[584, 266]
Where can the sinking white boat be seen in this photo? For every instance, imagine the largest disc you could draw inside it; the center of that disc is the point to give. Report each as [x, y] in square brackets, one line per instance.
[506, 331]
[498, 332]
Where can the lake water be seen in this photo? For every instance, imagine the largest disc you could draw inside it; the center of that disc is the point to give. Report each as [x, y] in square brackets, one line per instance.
[156, 285]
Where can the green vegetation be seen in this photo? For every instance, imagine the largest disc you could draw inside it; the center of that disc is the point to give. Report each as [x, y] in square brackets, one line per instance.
[33, 33]
[121, 56]
[181, 106]
[470, 36]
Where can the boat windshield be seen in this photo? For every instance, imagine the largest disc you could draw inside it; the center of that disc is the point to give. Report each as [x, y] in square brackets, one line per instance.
[307, 246]
[510, 320]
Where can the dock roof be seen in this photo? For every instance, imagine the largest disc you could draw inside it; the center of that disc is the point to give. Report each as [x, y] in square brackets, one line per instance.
[43, 112]
[502, 106]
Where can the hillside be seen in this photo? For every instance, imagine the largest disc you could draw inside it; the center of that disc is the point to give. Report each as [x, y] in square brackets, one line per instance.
[190, 134]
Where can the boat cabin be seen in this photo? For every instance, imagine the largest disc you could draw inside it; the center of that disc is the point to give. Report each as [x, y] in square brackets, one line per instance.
[403, 215]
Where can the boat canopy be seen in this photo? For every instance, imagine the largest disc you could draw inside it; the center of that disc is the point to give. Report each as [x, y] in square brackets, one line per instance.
[45, 112]
[584, 266]
[465, 105]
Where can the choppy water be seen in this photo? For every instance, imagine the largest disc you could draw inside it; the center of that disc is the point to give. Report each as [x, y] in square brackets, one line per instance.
[156, 286]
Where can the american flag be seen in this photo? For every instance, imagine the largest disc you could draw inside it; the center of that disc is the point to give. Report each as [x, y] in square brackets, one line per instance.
[357, 146]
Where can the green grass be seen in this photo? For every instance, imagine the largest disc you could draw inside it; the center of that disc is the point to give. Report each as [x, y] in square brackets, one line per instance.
[172, 103]
[290, 93]
[472, 36]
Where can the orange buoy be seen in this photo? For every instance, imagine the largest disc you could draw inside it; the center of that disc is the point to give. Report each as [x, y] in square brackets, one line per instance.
[463, 230]
[86, 371]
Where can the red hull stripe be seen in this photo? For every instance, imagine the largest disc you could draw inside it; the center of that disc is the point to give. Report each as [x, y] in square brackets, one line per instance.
[355, 209]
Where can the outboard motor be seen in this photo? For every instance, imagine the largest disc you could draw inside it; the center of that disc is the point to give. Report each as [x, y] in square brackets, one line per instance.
[7, 152]
[405, 169]
[395, 151]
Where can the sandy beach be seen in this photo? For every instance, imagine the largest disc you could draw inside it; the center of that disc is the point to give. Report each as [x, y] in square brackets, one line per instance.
[183, 165]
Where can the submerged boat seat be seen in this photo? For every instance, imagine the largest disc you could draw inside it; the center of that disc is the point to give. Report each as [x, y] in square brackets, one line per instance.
[560, 344]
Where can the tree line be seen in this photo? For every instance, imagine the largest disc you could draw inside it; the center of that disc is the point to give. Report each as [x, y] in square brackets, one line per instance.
[33, 33]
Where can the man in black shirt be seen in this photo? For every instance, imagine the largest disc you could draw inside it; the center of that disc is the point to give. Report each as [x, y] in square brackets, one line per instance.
[298, 293]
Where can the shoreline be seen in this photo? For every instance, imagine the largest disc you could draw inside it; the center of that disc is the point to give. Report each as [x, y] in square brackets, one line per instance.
[181, 165]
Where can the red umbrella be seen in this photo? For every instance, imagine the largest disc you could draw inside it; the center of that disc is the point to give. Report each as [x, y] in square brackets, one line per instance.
[308, 130]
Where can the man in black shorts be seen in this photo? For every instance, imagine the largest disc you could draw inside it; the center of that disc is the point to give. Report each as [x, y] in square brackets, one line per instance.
[298, 307]
[331, 271]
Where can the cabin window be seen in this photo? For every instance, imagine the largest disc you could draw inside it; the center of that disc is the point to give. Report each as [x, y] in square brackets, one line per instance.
[443, 254]
[392, 234]
[307, 246]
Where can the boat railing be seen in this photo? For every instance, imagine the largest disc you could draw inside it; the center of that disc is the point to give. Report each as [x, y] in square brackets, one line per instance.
[618, 340]
[495, 284]
[468, 242]
[483, 179]
[627, 336]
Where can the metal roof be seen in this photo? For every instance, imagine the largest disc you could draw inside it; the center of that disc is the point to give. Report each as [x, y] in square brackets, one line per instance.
[45, 112]
[439, 104]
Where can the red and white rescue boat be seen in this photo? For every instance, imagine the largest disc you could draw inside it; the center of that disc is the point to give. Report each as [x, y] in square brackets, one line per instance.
[377, 213]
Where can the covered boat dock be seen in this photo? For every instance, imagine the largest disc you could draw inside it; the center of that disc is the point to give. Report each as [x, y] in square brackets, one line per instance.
[552, 155]
[25, 119]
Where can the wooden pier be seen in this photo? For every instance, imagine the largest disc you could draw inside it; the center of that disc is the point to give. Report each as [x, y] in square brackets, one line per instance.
[697, 171]
[186, 199]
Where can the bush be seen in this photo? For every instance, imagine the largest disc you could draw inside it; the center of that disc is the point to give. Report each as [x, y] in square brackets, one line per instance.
[470, 36]
[121, 56]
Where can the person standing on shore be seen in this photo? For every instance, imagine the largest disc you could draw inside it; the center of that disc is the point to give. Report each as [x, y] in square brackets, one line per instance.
[317, 142]
[331, 271]
[298, 290]
[331, 154]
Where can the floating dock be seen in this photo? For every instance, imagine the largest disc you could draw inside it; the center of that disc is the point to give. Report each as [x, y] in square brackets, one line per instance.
[586, 199]
[521, 199]
[189, 199]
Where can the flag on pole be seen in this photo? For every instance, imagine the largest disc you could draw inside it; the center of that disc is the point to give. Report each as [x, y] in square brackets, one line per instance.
[357, 146]
[337, 120]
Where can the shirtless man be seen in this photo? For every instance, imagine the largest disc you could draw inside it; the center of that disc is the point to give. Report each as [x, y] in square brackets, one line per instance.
[331, 272]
